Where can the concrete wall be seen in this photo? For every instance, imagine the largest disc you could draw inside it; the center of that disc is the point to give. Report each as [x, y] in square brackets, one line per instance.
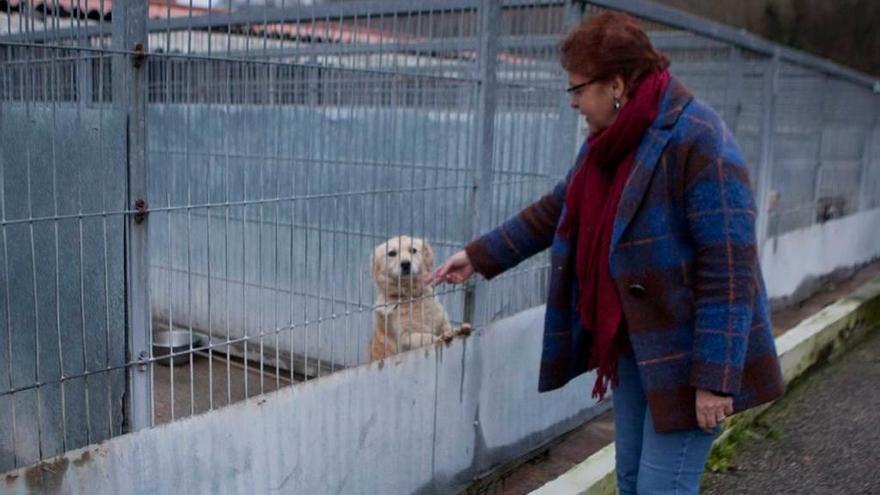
[426, 421]
[793, 262]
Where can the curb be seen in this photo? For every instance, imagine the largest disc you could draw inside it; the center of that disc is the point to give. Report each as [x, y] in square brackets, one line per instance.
[816, 340]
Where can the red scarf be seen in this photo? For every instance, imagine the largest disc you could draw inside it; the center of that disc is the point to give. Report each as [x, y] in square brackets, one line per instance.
[591, 205]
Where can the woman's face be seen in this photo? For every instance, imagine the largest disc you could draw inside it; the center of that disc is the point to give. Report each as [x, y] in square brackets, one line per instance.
[595, 99]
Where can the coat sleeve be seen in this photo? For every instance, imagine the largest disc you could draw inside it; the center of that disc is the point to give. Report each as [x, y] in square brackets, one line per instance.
[525, 234]
[720, 211]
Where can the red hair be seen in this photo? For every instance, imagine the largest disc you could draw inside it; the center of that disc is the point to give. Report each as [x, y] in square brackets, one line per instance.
[610, 44]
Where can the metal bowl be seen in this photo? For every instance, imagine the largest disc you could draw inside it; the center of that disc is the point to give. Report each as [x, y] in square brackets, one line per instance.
[173, 342]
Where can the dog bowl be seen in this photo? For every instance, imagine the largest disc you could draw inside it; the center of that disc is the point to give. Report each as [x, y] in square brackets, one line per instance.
[173, 342]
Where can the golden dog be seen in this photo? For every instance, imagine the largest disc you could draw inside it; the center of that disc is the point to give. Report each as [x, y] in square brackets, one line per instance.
[408, 315]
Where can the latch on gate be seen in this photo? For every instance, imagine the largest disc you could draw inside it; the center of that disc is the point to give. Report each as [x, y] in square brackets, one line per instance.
[140, 213]
[140, 55]
[143, 359]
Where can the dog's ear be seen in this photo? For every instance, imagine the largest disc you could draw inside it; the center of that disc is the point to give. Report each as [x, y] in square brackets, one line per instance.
[427, 256]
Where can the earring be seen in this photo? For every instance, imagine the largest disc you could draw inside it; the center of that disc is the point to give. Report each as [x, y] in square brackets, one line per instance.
[616, 103]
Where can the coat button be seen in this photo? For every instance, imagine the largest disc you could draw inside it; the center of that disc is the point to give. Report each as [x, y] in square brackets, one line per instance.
[637, 291]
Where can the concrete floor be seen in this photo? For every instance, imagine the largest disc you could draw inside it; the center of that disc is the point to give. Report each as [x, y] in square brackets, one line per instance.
[213, 383]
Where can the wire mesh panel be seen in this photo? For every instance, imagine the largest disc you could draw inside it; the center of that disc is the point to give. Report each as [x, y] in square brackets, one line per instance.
[62, 200]
[269, 213]
[282, 151]
[871, 182]
[850, 117]
[535, 139]
[797, 148]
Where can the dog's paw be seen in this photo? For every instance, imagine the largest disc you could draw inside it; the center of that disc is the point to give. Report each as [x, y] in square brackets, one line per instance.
[447, 337]
[464, 329]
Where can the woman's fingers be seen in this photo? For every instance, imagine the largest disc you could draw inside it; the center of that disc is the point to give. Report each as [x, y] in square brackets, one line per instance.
[456, 269]
[712, 409]
[706, 421]
[439, 275]
[434, 277]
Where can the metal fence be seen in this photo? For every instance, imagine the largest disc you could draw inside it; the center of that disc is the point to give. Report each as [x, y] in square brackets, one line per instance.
[226, 173]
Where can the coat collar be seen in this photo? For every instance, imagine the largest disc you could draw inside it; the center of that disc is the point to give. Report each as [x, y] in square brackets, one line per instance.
[674, 101]
[677, 97]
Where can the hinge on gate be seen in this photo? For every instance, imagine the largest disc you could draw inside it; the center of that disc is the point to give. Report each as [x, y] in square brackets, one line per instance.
[140, 213]
[143, 359]
[140, 55]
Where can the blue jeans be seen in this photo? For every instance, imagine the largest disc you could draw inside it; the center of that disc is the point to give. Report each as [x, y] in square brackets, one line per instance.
[651, 463]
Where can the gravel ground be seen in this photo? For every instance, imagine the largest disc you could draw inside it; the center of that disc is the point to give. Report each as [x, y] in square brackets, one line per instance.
[822, 438]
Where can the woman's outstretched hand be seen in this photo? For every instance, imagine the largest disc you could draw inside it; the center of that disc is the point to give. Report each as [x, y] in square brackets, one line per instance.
[455, 270]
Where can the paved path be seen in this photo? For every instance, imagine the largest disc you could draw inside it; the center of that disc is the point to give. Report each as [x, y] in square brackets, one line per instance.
[822, 438]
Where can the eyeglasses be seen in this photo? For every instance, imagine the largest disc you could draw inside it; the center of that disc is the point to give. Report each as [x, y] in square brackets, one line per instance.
[572, 89]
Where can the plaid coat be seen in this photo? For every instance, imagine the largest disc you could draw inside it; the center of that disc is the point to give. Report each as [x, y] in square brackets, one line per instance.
[684, 260]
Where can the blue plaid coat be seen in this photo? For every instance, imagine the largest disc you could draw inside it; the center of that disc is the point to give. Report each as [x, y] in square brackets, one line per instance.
[684, 260]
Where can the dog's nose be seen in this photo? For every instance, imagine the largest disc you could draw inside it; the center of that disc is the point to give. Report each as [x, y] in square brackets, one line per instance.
[405, 267]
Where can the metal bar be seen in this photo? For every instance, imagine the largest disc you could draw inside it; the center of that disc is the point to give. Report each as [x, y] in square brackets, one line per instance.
[480, 196]
[323, 364]
[864, 198]
[272, 15]
[247, 58]
[825, 120]
[765, 170]
[570, 140]
[129, 30]
[427, 45]
[189, 239]
[733, 91]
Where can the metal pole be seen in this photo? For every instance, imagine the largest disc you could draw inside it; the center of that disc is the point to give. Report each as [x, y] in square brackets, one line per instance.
[826, 117]
[864, 198]
[733, 93]
[480, 197]
[129, 95]
[84, 79]
[569, 122]
[765, 166]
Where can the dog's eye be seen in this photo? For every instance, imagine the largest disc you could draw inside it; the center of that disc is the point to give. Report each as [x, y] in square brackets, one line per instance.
[392, 254]
[413, 250]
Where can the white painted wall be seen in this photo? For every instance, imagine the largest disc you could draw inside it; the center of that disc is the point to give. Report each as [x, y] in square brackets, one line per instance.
[796, 257]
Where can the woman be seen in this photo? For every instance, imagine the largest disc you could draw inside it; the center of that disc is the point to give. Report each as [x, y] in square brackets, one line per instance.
[655, 280]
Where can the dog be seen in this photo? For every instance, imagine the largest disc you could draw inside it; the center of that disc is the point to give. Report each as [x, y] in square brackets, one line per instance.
[407, 314]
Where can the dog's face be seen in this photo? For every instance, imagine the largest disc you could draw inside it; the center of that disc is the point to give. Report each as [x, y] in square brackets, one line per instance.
[404, 259]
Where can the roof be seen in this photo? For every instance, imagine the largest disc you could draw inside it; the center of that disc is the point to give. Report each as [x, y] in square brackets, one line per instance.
[101, 9]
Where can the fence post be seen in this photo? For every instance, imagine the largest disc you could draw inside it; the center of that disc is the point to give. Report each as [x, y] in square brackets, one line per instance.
[479, 206]
[765, 165]
[129, 96]
[864, 198]
[827, 116]
[84, 78]
[568, 136]
[733, 91]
